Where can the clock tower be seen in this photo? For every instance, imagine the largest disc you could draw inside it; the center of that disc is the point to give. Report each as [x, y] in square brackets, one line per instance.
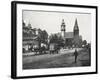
[63, 26]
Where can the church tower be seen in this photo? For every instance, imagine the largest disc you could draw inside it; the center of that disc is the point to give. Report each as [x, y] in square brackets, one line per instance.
[76, 29]
[63, 28]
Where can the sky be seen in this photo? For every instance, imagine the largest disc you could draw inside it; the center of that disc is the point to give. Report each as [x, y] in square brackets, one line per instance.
[51, 21]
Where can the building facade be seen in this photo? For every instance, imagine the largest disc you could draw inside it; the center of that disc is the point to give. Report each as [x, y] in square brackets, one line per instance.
[71, 39]
[29, 38]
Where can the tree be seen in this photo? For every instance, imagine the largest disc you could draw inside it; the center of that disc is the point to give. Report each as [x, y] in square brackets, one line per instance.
[54, 38]
[80, 42]
[84, 42]
[69, 42]
[42, 37]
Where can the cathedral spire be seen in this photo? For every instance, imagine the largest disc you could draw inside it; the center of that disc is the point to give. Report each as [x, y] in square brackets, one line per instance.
[76, 25]
[76, 28]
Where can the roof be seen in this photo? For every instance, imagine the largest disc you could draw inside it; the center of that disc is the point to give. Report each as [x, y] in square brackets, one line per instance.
[76, 25]
[68, 34]
[34, 42]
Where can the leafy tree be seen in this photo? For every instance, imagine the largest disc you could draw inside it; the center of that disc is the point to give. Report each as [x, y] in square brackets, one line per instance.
[54, 38]
[80, 42]
[84, 42]
[42, 37]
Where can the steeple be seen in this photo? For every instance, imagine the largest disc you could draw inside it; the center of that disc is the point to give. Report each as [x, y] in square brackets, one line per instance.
[63, 21]
[63, 28]
[76, 28]
[63, 25]
[76, 25]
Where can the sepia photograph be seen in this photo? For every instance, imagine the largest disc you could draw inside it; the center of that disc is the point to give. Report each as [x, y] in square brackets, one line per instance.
[56, 39]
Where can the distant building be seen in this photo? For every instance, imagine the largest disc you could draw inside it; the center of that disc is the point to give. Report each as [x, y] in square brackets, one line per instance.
[71, 38]
[29, 37]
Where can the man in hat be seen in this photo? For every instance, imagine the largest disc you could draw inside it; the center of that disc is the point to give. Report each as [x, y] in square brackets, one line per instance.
[76, 54]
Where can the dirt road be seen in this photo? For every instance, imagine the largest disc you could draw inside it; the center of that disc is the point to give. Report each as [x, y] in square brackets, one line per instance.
[64, 59]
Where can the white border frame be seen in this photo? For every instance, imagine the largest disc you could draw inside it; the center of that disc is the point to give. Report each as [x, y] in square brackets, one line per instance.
[35, 72]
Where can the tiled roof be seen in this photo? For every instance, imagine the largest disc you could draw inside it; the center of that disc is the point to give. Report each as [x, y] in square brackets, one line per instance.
[68, 34]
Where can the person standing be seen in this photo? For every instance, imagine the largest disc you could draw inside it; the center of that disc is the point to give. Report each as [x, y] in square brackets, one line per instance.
[75, 54]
